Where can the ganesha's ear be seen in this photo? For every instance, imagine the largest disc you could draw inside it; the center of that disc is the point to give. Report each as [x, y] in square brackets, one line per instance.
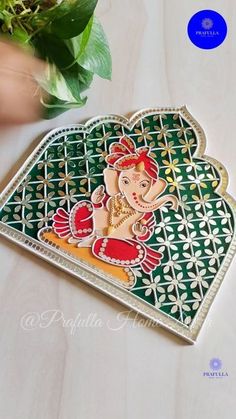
[155, 190]
[111, 181]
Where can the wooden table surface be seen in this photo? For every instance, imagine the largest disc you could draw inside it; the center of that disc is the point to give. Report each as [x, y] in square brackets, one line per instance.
[93, 371]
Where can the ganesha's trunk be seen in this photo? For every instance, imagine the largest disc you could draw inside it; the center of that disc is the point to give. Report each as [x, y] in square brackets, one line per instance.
[143, 206]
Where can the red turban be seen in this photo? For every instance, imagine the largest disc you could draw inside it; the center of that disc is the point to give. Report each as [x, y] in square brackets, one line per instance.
[124, 155]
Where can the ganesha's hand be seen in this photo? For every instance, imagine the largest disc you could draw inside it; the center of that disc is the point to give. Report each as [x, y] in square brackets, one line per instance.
[98, 195]
[139, 229]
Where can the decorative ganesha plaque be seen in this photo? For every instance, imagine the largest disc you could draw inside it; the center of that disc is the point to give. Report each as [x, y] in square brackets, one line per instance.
[133, 208]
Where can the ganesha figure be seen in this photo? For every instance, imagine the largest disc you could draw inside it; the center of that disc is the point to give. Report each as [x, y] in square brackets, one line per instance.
[120, 216]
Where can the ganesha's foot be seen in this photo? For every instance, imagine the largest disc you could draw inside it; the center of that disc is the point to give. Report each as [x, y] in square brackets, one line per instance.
[81, 243]
[126, 253]
[87, 242]
[79, 223]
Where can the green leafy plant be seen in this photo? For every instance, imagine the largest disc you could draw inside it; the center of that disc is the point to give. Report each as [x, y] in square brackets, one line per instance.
[69, 37]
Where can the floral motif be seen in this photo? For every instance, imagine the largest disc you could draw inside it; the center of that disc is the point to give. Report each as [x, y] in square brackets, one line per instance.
[212, 237]
[175, 282]
[88, 157]
[225, 216]
[67, 197]
[166, 243]
[25, 221]
[182, 130]
[45, 181]
[102, 154]
[46, 200]
[144, 134]
[193, 259]
[172, 264]
[23, 202]
[104, 138]
[183, 203]
[88, 176]
[164, 224]
[44, 219]
[163, 132]
[46, 162]
[25, 185]
[215, 255]
[191, 165]
[66, 160]
[214, 182]
[197, 181]
[66, 144]
[175, 184]
[198, 279]
[184, 222]
[189, 240]
[206, 218]
[179, 303]
[167, 148]
[153, 286]
[66, 179]
[201, 201]
[186, 145]
[171, 166]
[228, 234]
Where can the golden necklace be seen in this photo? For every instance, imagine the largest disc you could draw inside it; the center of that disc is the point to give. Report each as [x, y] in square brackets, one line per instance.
[118, 207]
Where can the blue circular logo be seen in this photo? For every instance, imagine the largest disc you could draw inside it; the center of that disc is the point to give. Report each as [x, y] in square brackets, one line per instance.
[207, 29]
[215, 364]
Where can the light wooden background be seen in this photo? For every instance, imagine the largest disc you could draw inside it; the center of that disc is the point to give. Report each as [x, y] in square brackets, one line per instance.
[135, 372]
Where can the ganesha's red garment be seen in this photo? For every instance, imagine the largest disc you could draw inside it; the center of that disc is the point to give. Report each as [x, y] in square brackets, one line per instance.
[118, 251]
[79, 223]
[126, 253]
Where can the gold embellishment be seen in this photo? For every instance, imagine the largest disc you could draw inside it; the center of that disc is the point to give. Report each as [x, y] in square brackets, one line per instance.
[140, 166]
[118, 206]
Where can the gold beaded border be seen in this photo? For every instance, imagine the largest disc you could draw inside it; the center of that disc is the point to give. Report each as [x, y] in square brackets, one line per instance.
[90, 274]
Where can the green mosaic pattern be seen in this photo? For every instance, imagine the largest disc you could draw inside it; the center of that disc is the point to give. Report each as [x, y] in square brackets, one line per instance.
[194, 240]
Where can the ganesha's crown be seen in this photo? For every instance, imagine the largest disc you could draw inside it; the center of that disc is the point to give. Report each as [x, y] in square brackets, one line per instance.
[124, 155]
